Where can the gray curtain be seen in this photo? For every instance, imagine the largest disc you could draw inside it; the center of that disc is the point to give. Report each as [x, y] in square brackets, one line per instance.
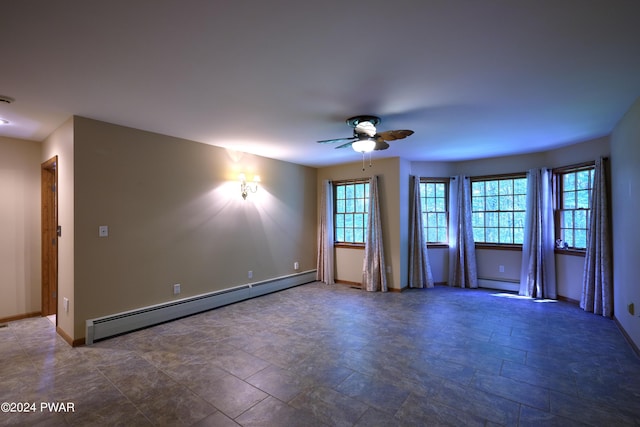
[325, 263]
[462, 253]
[538, 274]
[419, 268]
[597, 279]
[374, 276]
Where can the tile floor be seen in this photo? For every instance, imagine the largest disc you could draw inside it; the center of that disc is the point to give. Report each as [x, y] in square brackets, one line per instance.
[319, 355]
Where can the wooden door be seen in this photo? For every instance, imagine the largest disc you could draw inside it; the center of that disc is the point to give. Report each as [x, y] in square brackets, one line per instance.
[50, 234]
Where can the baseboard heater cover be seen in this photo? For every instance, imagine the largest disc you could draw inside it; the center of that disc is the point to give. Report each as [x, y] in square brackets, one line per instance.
[502, 284]
[120, 323]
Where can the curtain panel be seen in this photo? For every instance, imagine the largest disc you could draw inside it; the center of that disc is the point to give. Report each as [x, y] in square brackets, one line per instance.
[374, 276]
[420, 275]
[462, 253]
[538, 273]
[325, 270]
[597, 278]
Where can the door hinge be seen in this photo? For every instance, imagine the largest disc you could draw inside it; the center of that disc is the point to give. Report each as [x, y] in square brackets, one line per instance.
[59, 231]
[53, 188]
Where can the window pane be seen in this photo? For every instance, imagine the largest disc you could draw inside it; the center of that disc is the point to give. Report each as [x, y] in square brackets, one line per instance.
[569, 200]
[566, 219]
[583, 180]
[348, 235]
[491, 203]
[477, 219]
[491, 219]
[520, 186]
[580, 219]
[505, 186]
[491, 188]
[440, 190]
[349, 191]
[506, 235]
[340, 206]
[477, 188]
[442, 234]
[506, 203]
[583, 199]
[358, 235]
[506, 219]
[518, 235]
[518, 219]
[478, 235]
[477, 204]
[491, 235]
[348, 220]
[339, 220]
[519, 203]
[580, 239]
[569, 182]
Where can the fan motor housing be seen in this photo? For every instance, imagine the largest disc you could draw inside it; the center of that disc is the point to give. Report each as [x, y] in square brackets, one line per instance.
[354, 121]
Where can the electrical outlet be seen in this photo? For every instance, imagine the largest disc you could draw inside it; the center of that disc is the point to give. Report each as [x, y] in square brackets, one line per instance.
[65, 304]
[250, 274]
[176, 289]
[103, 231]
[501, 268]
[296, 265]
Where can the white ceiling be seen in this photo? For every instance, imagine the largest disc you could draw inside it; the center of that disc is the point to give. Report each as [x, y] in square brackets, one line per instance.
[472, 78]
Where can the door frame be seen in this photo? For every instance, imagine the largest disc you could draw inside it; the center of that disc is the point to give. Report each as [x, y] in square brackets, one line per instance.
[50, 235]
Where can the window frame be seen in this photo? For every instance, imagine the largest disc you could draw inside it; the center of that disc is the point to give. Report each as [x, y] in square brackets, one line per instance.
[499, 177]
[424, 212]
[558, 195]
[336, 184]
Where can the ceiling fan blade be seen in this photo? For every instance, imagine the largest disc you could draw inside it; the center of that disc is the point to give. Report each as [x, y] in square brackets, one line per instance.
[381, 144]
[392, 135]
[331, 141]
[348, 144]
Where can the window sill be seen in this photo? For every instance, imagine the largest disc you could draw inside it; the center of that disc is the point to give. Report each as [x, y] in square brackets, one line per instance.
[500, 247]
[348, 245]
[572, 252]
[438, 245]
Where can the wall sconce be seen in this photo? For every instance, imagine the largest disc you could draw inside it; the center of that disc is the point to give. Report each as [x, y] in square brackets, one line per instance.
[246, 187]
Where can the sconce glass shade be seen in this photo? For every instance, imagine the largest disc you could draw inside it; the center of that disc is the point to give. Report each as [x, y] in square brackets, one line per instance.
[364, 145]
[245, 187]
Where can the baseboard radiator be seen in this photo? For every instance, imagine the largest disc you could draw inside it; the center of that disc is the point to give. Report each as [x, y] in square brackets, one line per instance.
[499, 284]
[120, 323]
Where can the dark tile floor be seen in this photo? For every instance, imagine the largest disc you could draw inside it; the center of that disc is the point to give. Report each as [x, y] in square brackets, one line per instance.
[333, 355]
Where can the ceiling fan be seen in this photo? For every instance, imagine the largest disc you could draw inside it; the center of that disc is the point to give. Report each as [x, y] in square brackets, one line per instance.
[365, 137]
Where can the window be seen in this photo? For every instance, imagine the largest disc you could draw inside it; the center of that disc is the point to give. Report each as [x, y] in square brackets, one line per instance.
[498, 209]
[435, 215]
[573, 192]
[351, 211]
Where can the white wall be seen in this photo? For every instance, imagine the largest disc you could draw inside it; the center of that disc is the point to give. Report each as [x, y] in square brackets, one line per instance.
[625, 201]
[20, 279]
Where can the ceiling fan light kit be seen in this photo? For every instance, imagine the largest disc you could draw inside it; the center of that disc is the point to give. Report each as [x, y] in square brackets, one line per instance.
[364, 145]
